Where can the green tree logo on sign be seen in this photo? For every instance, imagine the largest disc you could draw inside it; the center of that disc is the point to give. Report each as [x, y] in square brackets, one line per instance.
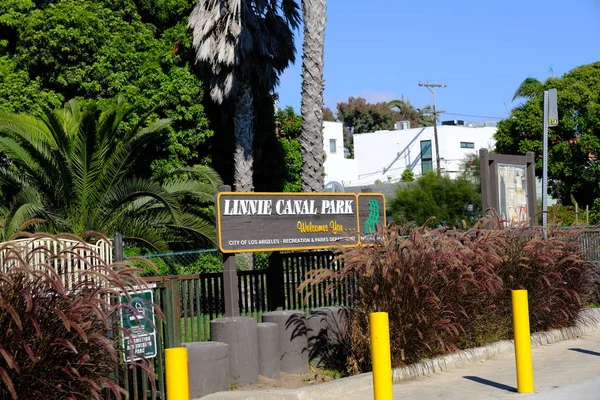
[371, 222]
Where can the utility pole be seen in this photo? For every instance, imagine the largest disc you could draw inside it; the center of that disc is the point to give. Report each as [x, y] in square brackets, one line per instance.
[431, 87]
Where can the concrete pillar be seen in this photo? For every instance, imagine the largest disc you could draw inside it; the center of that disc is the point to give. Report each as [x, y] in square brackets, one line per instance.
[208, 366]
[327, 329]
[241, 336]
[293, 342]
[268, 350]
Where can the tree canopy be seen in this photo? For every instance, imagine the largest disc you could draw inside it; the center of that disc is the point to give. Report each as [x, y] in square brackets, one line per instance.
[574, 145]
[290, 126]
[95, 49]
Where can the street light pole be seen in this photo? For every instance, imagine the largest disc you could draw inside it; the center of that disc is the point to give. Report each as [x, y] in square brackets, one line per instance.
[431, 87]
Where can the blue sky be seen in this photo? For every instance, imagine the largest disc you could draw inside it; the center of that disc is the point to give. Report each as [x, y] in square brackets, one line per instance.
[381, 49]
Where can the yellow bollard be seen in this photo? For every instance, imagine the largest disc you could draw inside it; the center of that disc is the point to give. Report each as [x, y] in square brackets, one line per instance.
[520, 309]
[381, 356]
[176, 363]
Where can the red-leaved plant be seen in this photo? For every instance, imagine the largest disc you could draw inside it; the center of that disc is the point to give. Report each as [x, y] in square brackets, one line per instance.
[445, 290]
[58, 314]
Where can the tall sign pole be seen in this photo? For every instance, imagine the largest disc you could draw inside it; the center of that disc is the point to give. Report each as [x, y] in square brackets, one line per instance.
[545, 166]
[431, 87]
[550, 119]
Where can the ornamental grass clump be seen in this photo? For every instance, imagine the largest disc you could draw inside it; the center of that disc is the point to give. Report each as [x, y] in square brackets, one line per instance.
[446, 290]
[58, 338]
[559, 280]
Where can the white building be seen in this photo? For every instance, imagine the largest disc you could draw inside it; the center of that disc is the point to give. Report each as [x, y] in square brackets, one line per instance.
[384, 155]
[338, 168]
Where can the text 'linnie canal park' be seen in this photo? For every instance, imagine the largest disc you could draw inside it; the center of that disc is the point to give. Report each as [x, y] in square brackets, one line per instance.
[296, 221]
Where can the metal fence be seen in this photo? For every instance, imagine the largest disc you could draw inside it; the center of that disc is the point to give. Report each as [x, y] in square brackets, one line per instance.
[590, 244]
[201, 296]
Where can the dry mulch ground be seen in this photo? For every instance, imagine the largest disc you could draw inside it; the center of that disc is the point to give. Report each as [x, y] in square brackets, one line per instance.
[292, 381]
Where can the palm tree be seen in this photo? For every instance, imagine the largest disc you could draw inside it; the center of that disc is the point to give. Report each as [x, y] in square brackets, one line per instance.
[69, 170]
[311, 108]
[529, 88]
[416, 116]
[244, 45]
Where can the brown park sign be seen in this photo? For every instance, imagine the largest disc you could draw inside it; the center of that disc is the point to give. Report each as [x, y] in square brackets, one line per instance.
[250, 222]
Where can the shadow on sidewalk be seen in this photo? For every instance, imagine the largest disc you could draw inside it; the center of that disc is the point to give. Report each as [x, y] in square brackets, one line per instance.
[491, 383]
[584, 351]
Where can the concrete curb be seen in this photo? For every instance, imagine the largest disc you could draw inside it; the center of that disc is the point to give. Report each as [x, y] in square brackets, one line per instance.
[590, 322]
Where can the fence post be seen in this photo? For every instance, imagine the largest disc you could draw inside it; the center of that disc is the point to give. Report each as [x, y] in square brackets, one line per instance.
[230, 279]
[172, 313]
[118, 246]
[230, 282]
[275, 282]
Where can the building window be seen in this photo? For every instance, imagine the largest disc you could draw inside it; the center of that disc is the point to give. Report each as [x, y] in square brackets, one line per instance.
[332, 146]
[467, 145]
[426, 164]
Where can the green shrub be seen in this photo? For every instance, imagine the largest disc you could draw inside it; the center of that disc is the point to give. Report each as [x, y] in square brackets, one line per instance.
[178, 263]
[202, 262]
[57, 339]
[453, 202]
[446, 290]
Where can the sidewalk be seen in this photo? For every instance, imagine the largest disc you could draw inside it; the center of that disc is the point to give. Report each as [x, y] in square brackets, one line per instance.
[565, 369]
[554, 366]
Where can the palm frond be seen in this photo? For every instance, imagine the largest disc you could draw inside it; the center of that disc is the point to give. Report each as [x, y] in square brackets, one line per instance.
[200, 191]
[131, 189]
[190, 224]
[198, 172]
[529, 88]
[26, 205]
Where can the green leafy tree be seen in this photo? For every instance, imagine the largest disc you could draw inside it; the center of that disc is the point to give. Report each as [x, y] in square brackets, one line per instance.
[293, 160]
[69, 172]
[407, 176]
[471, 168]
[290, 128]
[290, 123]
[450, 201]
[90, 50]
[574, 145]
[328, 114]
[241, 45]
[358, 116]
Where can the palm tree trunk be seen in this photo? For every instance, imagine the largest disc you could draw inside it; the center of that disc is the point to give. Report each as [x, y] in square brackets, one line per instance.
[311, 109]
[243, 157]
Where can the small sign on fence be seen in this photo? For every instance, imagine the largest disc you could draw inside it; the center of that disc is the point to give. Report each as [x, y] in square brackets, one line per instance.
[248, 222]
[137, 316]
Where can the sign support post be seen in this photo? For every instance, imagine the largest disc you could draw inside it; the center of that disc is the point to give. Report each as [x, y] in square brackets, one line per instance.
[550, 119]
[230, 281]
[545, 166]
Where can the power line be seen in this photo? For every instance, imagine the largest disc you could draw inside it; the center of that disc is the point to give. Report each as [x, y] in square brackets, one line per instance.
[469, 115]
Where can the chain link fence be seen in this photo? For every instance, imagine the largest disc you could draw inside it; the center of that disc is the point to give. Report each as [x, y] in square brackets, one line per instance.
[198, 262]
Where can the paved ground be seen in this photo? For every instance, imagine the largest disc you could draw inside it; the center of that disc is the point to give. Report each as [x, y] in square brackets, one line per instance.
[567, 370]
